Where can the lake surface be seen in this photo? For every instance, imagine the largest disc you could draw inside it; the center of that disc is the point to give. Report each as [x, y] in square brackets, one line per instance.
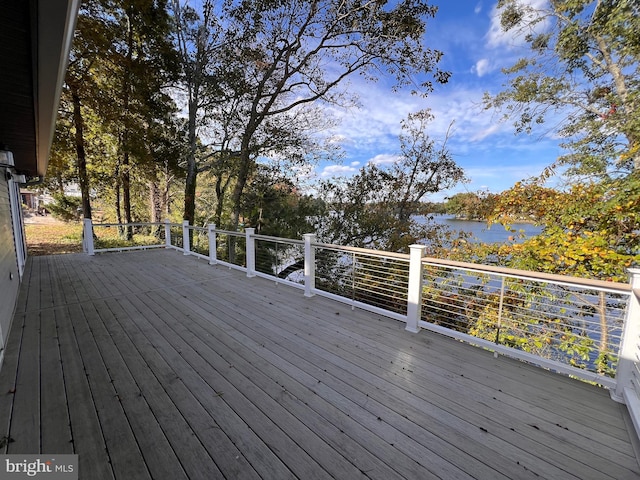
[482, 233]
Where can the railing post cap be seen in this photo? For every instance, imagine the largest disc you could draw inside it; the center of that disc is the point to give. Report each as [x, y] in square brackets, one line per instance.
[417, 246]
[634, 271]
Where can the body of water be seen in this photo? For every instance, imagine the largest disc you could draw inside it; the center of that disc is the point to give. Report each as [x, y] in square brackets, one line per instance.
[483, 234]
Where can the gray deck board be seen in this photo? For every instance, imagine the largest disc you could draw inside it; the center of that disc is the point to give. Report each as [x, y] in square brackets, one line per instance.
[155, 365]
[395, 408]
[57, 437]
[438, 389]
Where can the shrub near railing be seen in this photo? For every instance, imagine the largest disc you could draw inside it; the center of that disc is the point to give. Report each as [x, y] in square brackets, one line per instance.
[199, 241]
[574, 322]
[231, 248]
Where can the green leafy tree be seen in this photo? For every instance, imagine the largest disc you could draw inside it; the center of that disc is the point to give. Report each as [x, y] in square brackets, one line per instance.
[582, 67]
[81, 94]
[113, 106]
[274, 206]
[198, 38]
[581, 71]
[591, 230]
[383, 206]
[296, 53]
[472, 205]
[138, 67]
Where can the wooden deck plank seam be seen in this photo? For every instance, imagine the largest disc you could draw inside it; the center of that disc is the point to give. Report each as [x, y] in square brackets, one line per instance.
[268, 436]
[372, 415]
[374, 374]
[279, 393]
[600, 449]
[177, 378]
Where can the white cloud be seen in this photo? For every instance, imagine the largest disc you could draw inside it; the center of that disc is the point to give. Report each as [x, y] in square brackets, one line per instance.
[337, 171]
[478, 8]
[384, 159]
[482, 67]
[482, 134]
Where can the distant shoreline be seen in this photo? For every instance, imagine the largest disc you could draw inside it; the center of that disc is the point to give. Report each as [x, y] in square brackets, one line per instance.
[456, 218]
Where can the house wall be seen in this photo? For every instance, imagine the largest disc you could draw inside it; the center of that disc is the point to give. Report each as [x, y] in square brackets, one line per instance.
[9, 275]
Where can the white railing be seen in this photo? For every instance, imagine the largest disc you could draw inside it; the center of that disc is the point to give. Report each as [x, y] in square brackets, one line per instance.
[118, 237]
[584, 328]
[369, 279]
[627, 389]
[570, 325]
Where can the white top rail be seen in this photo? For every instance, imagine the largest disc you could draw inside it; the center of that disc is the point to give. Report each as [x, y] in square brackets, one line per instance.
[132, 224]
[230, 232]
[612, 287]
[364, 251]
[268, 238]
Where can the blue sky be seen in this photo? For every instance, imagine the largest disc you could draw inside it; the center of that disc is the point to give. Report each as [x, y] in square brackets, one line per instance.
[493, 157]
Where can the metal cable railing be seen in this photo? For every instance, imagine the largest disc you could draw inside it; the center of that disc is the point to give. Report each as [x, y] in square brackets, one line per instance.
[280, 258]
[366, 278]
[231, 248]
[127, 236]
[585, 328]
[579, 324]
[199, 241]
[565, 321]
[175, 235]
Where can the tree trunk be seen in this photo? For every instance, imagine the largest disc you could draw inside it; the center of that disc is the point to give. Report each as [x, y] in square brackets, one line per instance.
[126, 195]
[166, 192]
[116, 178]
[221, 191]
[190, 192]
[192, 167]
[78, 122]
[243, 176]
[155, 207]
[126, 94]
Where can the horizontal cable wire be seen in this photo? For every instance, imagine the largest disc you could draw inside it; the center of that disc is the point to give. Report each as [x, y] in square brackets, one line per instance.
[558, 321]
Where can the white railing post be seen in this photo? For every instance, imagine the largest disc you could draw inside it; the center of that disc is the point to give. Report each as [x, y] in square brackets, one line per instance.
[167, 233]
[251, 251]
[186, 248]
[309, 264]
[213, 247]
[414, 295]
[87, 236]
[629, 344]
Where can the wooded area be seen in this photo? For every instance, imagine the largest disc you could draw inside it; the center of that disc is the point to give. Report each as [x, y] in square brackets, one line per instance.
[210, 113]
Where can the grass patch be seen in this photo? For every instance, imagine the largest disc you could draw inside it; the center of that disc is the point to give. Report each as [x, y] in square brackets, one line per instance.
[111, 237]
[53, 239]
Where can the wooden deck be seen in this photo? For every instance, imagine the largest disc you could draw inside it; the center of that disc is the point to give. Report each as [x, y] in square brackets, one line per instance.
[155, 365]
